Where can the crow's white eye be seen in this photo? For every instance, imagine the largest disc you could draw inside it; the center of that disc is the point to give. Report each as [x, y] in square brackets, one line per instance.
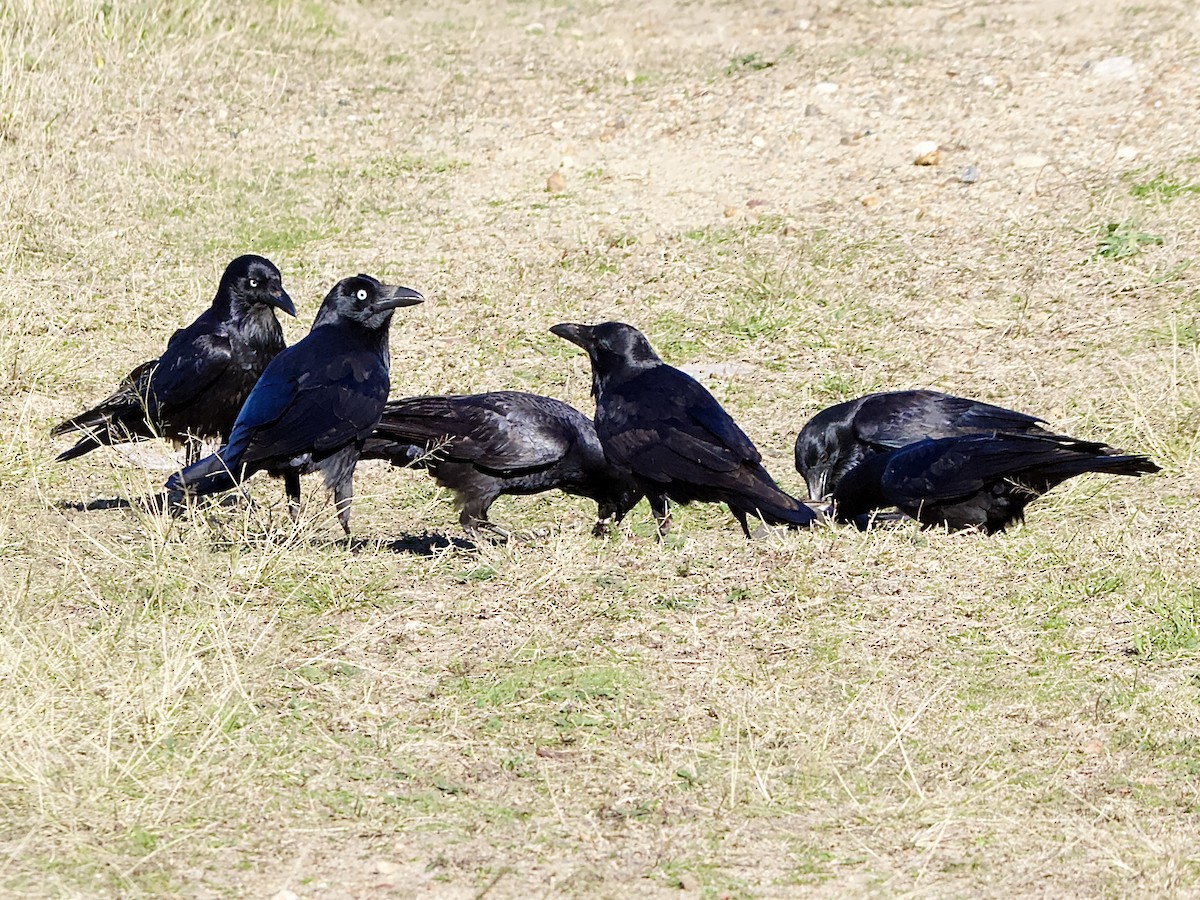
[253, 282]
[362, 294]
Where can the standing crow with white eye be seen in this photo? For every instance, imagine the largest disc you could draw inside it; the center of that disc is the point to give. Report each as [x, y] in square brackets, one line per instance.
[316, 403]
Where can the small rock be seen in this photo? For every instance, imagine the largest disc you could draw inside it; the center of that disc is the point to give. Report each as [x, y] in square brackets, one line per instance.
[731, 212]
[387, 867]
[758, 141]
[870, 201]
[969, 175]
[285, 894]
[825, 87]
[1029, 160]
[927, 153]
[1126, 153]
[811, 110]
[1093, 748]
[556, 183]
[755, 203]
[689, 882]
[1115, 68]
[535, 28]
[987, 81]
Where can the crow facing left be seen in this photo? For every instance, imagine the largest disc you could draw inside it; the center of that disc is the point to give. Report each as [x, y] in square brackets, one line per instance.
[194, 390]
[661, 426]
[316, 403]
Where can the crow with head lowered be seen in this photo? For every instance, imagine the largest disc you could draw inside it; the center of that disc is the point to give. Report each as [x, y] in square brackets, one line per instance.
[837, 439]
[316, 403]
[671, 435]
[194, 390]
[502, 442]
[980, 481]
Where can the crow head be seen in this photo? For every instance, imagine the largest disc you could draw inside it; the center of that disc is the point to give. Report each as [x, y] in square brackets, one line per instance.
[827, 448]
[364, 301]
[252, 281]
[617, 350]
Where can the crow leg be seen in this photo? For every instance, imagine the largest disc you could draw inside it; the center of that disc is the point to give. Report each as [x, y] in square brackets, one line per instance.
[291, 485]
[343, 492]
[476, 528]
[741, 517]
[662, 516]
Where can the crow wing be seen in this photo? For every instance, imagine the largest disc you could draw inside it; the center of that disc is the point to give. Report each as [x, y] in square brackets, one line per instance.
[503, 431]
[896, 418]
[312, 398]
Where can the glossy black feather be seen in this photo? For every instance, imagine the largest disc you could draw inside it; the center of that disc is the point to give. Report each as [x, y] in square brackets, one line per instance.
[671, 434]
[195, 388]
[317, 401]
[482, 446]
[982, 481]
[838, 438]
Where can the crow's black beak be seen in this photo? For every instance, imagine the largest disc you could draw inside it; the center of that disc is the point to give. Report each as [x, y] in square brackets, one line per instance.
[394, 297]
[576, 334]
[281, 300]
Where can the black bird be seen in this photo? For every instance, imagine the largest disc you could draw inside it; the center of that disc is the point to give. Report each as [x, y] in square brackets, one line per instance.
[195, 389]
[316, 403]
[502, 442]
[838, 438]
[979, 481]
[663, 427]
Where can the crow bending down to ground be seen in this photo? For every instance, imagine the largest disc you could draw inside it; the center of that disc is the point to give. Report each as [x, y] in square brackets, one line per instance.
[195, 389]
[837, 439]
[663, 427]
[503, 442]
[316, 403]
[979, 481]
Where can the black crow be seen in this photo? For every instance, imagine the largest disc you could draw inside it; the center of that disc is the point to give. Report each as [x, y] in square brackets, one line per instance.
[316, 402]
[195, 389]
[838, 438]
[979, 481]
[502, 442]
[663, 427]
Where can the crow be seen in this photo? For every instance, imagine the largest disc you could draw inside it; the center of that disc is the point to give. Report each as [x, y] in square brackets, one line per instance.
[316, 403]
[660, 425]
[981, 481]
[502, 442]
[838, 438]
[195, 389]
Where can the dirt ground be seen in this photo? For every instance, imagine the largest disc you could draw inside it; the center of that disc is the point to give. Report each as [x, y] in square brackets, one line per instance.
[225, 706]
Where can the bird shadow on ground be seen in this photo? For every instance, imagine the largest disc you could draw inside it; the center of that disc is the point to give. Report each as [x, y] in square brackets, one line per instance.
[427, 544]
[153, 503]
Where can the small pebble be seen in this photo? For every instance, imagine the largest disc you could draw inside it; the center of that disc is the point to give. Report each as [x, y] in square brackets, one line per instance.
[969, 175]
[689, 882]
[1029, 160]
[825, 87]
[556, 183]
[1115, 68]
[927, 153]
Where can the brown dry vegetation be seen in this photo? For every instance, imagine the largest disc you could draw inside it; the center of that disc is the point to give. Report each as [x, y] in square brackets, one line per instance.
[225, 706]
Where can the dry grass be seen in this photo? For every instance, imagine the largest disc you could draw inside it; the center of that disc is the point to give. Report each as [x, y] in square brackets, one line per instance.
[228, 706]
